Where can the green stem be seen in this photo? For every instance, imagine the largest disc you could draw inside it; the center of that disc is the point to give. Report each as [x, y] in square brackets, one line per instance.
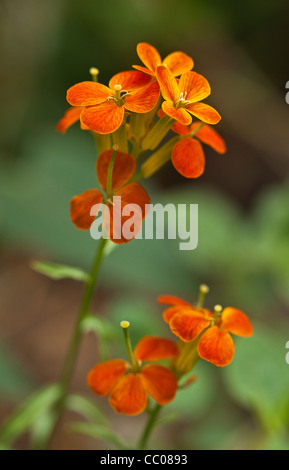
[119, 138]
[109, 173]
[149, 427]
[125, 326]
[70, 360]
[157, 133]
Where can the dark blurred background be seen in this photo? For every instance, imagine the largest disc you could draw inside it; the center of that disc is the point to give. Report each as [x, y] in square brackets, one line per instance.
[243, 252]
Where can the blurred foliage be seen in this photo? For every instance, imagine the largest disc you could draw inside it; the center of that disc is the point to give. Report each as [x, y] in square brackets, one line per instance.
[242, 256]
[14, 381]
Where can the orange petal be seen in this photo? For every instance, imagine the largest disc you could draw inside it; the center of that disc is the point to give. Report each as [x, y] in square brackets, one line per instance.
[180, 114]
[217, 347]
[195, 86]
[188, 158]
[171, 300]
[123, 228]
[209, 136]
[148, 55]
[129, 395]
[70, 117]
[80, 207]
[178, 63]
[144, 70]
[143, 100]
[134, 193]
[153, 348]
[188, 325]
[87, 94]
[123, 168]
[104, 118]
[204, 112]
[181, 129]
[103, 377]
[236, 322]
[130, 81]
[168, 84]
[171, 311]
[160, 383]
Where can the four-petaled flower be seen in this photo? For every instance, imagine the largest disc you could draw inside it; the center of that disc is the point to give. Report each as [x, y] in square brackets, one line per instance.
[182, 97]
[128, 387]
[133, 193]
[215, 344]
[104, 107]
[177, 62]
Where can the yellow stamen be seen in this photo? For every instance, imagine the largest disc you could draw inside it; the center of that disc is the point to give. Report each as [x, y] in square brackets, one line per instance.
[124, 324]
[218, 309]
[203, 290]
[94, 73]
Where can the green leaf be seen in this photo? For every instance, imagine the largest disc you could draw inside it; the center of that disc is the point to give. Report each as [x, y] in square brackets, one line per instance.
[28, 412]
[42, 429]
[98, 325]
[59, 271]
[86, 408]
[98, 432]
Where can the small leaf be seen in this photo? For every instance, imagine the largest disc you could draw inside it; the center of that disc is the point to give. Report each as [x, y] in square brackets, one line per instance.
[60, 271]
[42, 429]
[99, 326]
[98, 432]
[28, 412]
[86, 408]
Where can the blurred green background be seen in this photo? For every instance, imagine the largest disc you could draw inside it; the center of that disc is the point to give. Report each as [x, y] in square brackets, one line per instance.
[243, 251]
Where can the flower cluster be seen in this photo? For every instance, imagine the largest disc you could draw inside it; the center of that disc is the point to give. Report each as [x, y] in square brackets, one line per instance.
[133, 114]
[206, 333]
[211, 330]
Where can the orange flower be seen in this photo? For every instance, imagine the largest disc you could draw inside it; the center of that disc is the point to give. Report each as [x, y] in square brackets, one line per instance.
[104, 107]
[133, 193]
[177, 62]
[129, 386]
[188, 156]
[183, 98]
[216, 344]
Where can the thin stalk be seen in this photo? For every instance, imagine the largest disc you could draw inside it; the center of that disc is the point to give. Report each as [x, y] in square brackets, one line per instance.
[110, 170]
[72, 353]
[119, 138]
[149, 427]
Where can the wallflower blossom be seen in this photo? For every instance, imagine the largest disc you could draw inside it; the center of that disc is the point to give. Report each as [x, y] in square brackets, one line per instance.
[128, 386]
[182, 98]
[132, 193]
[104, 107]
[177, 62]
[187, 155]
[215, 344]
